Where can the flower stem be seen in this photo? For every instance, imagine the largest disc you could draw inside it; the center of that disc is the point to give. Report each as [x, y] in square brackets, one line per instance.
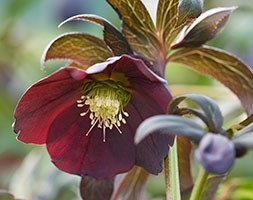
[171, 171]
[199, 184]
[167, 177]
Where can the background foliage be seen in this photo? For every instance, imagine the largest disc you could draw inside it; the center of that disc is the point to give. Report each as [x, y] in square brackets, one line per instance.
[28, 26]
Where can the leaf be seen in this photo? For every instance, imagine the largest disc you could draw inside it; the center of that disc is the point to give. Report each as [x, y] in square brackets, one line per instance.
[83, 49]
[140, 32]
[211, 186]
[166, 20]
[92, 189]
[112, 36]
[184, 163]
[224, 67]
[130, 186]
[204, 28]
[211, 110]
[169, 124]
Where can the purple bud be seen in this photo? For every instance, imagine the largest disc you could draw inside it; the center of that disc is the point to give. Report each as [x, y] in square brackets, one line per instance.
[215, 153]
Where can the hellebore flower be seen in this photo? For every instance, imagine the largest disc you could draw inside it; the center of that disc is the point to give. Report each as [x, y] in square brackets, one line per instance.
[87, 119]
[216, 153]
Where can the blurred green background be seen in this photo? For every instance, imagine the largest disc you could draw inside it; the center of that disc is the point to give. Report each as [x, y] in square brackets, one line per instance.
[28, 26]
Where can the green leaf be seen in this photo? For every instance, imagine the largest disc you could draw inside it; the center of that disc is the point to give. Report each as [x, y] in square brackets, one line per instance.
[140, 31]
[92, 189]
[130, 186]
[83, 49]
[204, 28]
[211, 186]
[169, 124]
[166, 20]
[184, 163]
[189, 9]
[211, 110]
[112, 36]
[224, 67]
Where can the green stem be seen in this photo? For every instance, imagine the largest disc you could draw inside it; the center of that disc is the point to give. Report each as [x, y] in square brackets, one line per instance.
[199, 184]
[171, 172]
[167, 177]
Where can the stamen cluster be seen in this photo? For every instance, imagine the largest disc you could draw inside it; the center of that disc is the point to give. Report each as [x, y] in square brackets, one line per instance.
[106, 100]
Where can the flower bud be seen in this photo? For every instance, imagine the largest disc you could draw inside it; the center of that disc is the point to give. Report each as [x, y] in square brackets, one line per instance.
[189, 9]
[215, 153]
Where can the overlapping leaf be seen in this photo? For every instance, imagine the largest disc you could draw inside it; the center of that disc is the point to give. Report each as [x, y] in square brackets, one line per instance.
[204, 28]
[139, 29]
[212, 113]
[222, 66]
[83, 49]
[166, 21]
[112, 36]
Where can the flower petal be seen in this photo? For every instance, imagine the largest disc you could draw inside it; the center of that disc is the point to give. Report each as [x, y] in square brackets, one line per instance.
[153, 149]
[74, 152]
[131, 67]
[134, 69]
[150, 96]
[42, 102]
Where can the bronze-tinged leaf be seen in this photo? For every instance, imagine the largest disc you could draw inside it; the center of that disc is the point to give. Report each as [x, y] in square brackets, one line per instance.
[184, 163]
[140, 32]
[76, 65]
[82, 49]
[92, 189]
[211, 186]
[130, 186]
[166, 20]
[112, 36]
[224, 67]
[204, 28]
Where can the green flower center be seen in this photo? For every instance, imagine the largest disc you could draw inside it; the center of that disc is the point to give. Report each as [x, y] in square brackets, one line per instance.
[106, 100]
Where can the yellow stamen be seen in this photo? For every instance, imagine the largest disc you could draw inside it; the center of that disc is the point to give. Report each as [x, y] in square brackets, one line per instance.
[106, 100]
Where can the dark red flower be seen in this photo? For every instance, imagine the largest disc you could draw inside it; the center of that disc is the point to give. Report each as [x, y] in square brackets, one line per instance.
[87, 119]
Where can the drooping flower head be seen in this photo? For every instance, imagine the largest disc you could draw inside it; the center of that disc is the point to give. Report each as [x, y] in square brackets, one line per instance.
[87, 118]
[216, 153]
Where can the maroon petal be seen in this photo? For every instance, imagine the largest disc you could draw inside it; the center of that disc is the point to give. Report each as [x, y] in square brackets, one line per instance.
[42, 102]
[150, 96]
[134, 69]
[74, 152]
[151, 151]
